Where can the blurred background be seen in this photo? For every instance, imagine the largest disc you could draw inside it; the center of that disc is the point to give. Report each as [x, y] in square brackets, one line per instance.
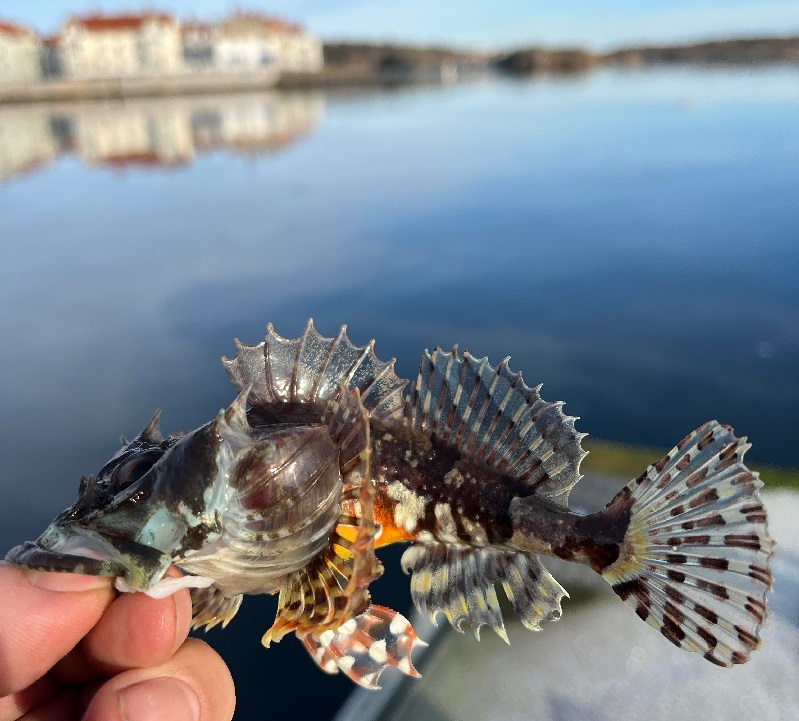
[605, 192]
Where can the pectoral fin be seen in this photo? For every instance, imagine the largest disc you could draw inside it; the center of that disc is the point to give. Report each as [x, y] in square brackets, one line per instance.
[366, 645]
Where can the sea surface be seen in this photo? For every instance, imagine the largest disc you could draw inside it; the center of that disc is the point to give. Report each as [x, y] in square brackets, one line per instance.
[630, 238]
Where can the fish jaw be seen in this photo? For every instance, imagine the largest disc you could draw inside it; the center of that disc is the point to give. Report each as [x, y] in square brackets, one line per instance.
[75, 549]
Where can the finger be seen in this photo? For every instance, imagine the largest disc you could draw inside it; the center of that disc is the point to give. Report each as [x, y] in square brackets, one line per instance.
[44, 616]
[194, 685]
[136, 631]
[17, 704]
[64, 707]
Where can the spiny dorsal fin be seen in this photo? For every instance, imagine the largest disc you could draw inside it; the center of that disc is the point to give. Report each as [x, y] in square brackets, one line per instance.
[492, 416]
[309, 369]
[459, 581]
[334, 586]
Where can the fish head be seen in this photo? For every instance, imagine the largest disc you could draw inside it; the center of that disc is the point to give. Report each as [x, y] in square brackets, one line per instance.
[155, 501]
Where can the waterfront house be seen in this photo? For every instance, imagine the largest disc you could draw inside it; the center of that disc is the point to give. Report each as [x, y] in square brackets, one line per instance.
[19, 54]
[199, 44]
[249, 41]
[97, 46]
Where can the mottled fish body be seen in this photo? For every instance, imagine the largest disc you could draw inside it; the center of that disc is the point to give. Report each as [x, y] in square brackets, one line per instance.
[471, 467]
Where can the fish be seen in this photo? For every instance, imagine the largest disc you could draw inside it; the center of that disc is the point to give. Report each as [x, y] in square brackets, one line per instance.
[326, 455]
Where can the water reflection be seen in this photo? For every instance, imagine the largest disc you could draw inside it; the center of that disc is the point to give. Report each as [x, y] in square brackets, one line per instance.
[153, 132]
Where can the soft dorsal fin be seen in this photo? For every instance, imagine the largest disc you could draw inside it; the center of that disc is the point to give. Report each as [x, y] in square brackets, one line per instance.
[309, 369]
[459, 581]
[493, 417]
[333, 587]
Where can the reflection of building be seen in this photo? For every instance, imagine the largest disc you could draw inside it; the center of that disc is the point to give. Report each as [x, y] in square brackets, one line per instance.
[19, 54]
[154, 132]
[142, 132]
[121, 45]
[264, 123]
[26, 140]
[250, 41]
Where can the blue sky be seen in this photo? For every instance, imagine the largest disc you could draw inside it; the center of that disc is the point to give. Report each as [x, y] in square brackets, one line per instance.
[478, 23]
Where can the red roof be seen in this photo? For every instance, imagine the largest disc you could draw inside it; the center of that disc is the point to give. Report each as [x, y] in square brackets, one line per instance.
[266, 22]
[99, 23]
[15, 30]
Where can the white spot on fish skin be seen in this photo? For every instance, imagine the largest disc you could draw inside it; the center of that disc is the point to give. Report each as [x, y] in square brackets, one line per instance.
[409, 509]
[398, 625]
[347, 628]
[330, 666]
[446, 528]
[345, 663]
[454, 478]
[326, 637]
[404, 665]
[476, 532]
[318, 655]
[377, 651]
[388, 437]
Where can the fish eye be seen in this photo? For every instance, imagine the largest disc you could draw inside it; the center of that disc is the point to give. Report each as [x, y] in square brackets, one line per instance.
[132, 470]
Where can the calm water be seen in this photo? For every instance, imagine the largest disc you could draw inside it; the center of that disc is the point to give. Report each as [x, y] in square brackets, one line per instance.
[629, 238]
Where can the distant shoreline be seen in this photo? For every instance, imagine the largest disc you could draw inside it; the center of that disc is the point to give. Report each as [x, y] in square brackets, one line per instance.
[363, 65]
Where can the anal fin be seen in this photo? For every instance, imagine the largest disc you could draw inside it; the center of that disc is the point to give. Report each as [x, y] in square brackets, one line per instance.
[459, 581]
[365, 646]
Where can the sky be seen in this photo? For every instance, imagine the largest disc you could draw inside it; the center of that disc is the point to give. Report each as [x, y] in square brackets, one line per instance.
[483, 24]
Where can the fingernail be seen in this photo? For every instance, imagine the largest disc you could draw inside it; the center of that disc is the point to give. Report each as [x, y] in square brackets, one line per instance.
[157, 699]
[72, 582]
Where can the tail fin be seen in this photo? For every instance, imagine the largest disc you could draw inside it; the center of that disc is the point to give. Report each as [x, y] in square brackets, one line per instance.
[694, 562]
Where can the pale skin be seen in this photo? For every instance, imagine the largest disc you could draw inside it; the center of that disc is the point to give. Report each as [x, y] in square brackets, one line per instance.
[71, 649]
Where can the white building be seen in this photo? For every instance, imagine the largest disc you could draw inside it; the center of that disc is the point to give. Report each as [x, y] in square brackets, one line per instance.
[248, 41]
[19, 54]
[199, 45]
[121, 45]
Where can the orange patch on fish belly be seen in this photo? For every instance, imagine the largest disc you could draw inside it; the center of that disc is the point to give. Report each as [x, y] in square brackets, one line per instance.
[386, 515]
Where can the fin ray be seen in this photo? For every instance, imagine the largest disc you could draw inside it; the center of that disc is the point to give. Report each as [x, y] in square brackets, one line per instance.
[459, 581]
[695, 559]
[309, 370]
[365, 646]
[209, 607]
[492, 416]
[334, 586]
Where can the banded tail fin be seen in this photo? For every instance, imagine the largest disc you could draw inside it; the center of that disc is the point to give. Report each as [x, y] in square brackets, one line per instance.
[694, 562]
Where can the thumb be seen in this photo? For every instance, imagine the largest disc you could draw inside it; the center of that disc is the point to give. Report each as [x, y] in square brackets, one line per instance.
[44, 616]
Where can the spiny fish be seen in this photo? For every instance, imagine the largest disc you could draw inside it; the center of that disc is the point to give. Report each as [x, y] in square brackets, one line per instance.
[472, 467]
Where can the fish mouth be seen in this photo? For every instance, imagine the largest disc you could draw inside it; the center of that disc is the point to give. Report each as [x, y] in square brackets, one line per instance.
[81, 560]
[73, 548]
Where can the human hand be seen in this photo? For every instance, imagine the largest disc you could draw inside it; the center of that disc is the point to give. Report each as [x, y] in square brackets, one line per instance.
[70, 650]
